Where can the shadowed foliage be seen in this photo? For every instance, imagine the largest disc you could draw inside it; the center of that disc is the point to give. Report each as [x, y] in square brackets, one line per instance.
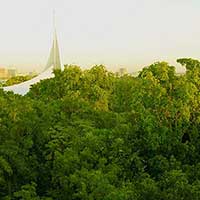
[90, 134]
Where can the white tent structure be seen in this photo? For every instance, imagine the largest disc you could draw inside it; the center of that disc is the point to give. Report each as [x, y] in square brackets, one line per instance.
[24, 87]
[53, 63]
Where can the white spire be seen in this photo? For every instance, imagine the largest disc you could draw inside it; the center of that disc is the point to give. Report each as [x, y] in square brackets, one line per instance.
[54, 57]
[53, 63]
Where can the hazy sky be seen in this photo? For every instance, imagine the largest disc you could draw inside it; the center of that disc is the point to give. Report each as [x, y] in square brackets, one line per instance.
[116, 33]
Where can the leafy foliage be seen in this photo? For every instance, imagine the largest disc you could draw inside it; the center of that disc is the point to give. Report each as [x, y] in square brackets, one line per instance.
[94, 135]
[17, 79]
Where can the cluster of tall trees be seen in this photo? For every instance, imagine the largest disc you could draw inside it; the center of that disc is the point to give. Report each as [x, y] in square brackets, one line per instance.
[90, 134]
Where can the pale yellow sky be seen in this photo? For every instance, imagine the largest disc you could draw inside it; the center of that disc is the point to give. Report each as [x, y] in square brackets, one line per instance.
[116, 33]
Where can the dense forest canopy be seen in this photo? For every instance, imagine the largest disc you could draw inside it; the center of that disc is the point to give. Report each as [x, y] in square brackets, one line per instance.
[90, 134]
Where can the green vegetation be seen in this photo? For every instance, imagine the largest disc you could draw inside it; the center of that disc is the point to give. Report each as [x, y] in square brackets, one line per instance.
[16, 80]
[93, 135]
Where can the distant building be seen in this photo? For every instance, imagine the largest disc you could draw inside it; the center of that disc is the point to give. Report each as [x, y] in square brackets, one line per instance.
[12, 72]
[7, 73]
[4, 73]
[33, 73]
[122, 72]
[135, 74]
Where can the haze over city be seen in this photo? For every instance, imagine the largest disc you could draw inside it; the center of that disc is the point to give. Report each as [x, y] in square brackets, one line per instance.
[116, 33]
[100, 100]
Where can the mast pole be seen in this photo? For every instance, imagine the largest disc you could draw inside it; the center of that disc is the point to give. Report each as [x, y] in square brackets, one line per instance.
[55, 38]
